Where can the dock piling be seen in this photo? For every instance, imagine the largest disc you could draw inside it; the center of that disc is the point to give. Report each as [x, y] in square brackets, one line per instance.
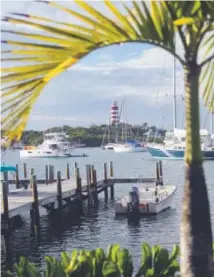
[160, 173]
[5, 176]
[67, 171]
[5, 205]
[157, 174]
[105, 172]
[78, 180]
[31, 177]
[46, 175]
[17, 176]
[105, 180]
[59, 190]
[35, 205]
[111, 170]
[88, 182]
[25, 170]
[51, 173]
[94, 186]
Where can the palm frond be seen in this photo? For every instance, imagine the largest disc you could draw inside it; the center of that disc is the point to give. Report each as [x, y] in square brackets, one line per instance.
[57, 45]
[207, 74]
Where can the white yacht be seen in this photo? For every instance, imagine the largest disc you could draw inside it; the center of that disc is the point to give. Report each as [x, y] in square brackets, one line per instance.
[54, 145]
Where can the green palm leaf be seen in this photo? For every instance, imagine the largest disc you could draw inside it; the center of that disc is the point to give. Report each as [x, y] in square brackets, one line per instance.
[62, 44]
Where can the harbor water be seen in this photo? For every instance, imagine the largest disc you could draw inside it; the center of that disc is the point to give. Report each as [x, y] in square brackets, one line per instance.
[99, 227]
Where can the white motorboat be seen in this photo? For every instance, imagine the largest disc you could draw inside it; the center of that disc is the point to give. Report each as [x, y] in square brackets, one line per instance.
[146, 199]
[54, 145]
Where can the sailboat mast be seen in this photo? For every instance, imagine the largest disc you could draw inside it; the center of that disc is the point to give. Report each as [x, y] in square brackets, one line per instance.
[109, 130]
[211, 123]
[174, 94]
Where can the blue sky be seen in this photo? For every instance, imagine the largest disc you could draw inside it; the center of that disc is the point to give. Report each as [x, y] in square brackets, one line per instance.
[83, 94]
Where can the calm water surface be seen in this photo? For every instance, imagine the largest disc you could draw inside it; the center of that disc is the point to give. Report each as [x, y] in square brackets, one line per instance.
[99, 227]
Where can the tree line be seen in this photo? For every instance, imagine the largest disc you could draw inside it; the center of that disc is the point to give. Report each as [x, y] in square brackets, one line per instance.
[93, 135]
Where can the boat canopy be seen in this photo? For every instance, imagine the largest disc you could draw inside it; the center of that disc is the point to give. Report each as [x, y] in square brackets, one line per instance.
[7, 168]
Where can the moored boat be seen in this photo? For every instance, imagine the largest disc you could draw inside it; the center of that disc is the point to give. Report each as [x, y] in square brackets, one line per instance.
[55, 145]
[175, 148]
[146, 199]
[129, 147]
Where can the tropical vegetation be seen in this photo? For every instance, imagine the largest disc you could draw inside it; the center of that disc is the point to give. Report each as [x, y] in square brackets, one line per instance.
[116, 262]
[93, 136]
[62, 44]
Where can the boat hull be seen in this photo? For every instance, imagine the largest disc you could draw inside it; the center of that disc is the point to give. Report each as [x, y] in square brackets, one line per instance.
[36, 153]
[176, 153]
[123, 149]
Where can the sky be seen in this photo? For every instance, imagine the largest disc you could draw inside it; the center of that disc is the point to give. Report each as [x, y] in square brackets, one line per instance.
[83, 94]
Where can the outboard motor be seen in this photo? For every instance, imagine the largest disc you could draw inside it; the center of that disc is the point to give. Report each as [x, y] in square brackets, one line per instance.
[133, 205]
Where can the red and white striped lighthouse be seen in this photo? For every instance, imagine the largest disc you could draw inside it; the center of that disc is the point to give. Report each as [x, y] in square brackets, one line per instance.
[114, 113]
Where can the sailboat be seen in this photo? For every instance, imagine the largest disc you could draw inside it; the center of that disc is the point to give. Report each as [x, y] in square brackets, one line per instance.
[174, 144]
[127, 145]
[113, 122]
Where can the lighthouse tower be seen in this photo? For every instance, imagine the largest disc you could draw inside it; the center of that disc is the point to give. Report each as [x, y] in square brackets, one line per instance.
[114, 113]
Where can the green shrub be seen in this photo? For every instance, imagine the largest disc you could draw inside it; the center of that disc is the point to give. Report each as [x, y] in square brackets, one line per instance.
[116, 262]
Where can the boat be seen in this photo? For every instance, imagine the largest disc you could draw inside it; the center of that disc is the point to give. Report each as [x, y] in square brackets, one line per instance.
[145, 199]
[175, 148]
[174, 144]
[111, 127]
[55, 145]
[129, 146]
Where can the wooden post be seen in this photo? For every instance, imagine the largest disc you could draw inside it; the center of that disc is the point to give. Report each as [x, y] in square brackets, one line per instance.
[17, 176]
[157, 174]
[80, 186]
[78, 181]
[105, 172]
[105, 181]
[59, 189]
[5, 204]
[161, 173]
[112, 191]
[35, 202]
[94, 194]
[32, 171]
[106, 193]
[25, 170]
[89, 172]
[46, 175]
[53, 177]
[77, 173]
[49, 171]
[92, 174]
[31, 177]
[67, 171]
[111, 171]
[75, 165]
[88, 182]
[5, 175]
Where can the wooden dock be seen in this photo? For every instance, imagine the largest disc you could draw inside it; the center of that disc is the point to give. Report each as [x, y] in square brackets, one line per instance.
[55, 193]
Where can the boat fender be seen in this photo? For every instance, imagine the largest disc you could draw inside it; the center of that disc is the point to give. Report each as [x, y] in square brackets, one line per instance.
[157, 200]
[156, 193]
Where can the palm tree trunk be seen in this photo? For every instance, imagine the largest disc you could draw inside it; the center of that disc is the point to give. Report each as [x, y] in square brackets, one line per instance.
[196, 232]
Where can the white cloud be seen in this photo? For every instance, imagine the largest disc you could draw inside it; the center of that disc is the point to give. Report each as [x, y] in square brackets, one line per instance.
[153, 58]
[47, 117]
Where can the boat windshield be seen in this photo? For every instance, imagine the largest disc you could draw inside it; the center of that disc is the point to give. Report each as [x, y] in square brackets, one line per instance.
[142, 184]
